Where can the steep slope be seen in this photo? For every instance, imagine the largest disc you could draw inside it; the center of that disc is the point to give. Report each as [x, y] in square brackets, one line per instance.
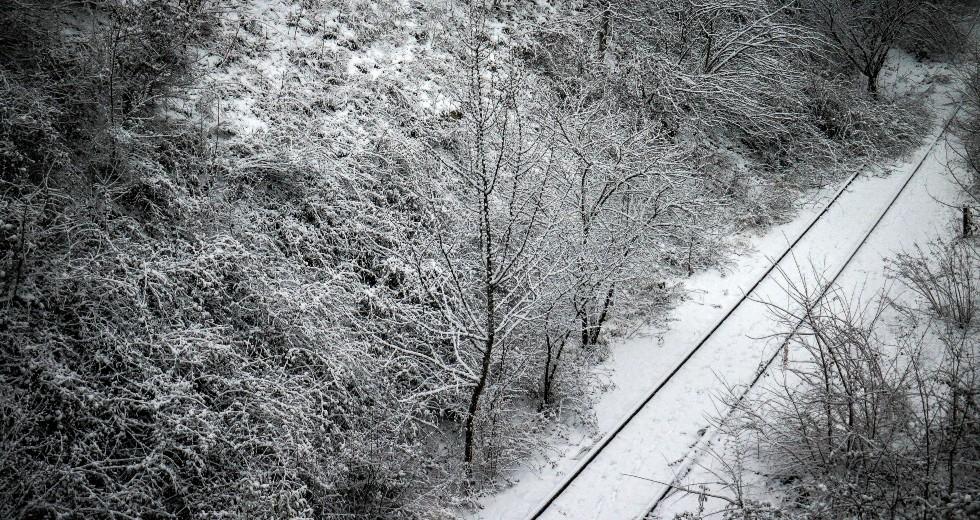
[324, 258]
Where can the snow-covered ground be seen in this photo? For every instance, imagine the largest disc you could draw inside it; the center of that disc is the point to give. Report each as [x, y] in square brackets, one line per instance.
[927, 211]
[620, 483]
[921, 215]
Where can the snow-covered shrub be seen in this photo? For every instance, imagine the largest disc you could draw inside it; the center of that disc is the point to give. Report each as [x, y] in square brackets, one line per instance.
[877, 418]
[934, 30]
[860, 33]
[175, 337]
[945, 275]
[863, 126]
[195, 380]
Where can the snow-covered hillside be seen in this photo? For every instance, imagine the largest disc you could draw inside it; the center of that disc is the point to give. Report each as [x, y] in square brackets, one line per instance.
[353, 258]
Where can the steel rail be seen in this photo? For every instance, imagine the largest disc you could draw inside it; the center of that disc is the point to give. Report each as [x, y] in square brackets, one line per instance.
[621, 425]
[692, 455]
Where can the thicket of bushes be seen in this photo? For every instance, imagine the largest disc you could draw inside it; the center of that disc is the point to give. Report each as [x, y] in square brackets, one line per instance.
[879, 417]
[203, 324]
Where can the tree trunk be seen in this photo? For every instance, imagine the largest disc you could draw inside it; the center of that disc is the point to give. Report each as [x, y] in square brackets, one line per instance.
[873, 84]
[586, 327]
[546, 387]
[489, 289]
[469, 425]
[967, 222]
[591, 326]
[552, 363]
[604, 28]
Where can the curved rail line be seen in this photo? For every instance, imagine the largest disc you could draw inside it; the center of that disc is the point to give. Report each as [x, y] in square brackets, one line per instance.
[705, 439]
[604, 442]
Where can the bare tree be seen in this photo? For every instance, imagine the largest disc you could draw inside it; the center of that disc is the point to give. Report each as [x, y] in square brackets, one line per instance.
[733, 65]
[489, 248]
[863, 31]
[624, 190]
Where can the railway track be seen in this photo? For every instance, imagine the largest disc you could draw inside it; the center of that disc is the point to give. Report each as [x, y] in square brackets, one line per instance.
[692, 454]
[705, 439]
